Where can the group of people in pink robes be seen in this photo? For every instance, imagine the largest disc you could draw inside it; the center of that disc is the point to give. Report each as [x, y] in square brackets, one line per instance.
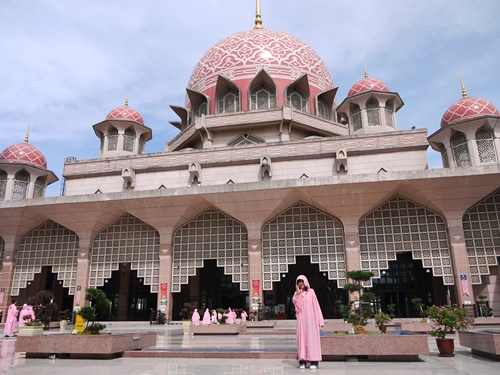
[215, 317]
[26, 315]
[309, 320]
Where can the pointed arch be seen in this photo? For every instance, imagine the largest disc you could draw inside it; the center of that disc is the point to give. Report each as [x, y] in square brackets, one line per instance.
[129, 139]
[39, 190]
[297, 94]
[3, 184]
[21, 181]
[228, 96]
[49, 244]
[126, 240]
[302, 230]
[372, 112]
[461, 152]
[356, 121]
[485, 146]
[481, 224]
[400, 225]
[245, 139]
[210, 235]
[262, 92]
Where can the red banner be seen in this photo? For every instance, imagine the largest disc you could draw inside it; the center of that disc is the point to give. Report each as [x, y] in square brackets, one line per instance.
[256, 288]
[164, 290]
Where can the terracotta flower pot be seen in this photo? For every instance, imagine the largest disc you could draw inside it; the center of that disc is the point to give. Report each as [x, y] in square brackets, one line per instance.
[446, 347]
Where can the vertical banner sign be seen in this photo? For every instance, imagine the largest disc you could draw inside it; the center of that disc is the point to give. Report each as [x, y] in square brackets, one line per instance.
[164, 291]
[77, 294]
[255, 294]
[2, 291]
[465, 286]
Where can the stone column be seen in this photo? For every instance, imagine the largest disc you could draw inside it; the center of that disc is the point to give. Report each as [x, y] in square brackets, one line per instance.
[460, 265]
[165, 277]
[7, 276]
[82, 274]
[254, 271]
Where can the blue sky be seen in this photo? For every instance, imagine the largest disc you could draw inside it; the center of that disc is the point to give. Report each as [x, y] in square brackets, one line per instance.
[66, 64]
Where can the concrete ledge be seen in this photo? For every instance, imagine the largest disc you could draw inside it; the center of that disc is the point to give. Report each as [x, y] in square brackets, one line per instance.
[260, 324]
[217, 329]
[483, 343]
[102, 346]
[480, 321]
[388, 347]
[344, 327]
[413, 327]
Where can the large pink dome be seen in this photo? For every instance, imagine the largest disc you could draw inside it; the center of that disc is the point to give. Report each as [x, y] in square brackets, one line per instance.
[242, 55]
[125, 113]
[367, 84]
[24, 153]
[468, 108]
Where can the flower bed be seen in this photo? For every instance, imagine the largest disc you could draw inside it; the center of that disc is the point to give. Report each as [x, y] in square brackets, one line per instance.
[102, 346]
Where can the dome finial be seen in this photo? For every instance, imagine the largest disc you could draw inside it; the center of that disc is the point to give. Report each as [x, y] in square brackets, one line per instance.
[366, 73]
[464, 93]
[27, 138]
[258, 18]
[126, 99]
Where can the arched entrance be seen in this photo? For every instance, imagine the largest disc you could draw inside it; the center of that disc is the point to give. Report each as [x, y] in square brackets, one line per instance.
[404, 280]
[326, 290]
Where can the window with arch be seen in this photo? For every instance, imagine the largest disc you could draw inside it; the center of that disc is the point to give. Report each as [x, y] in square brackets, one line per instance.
[356, 118]
[461, 150]
[21, 181]
[485, 146]
[3, 184]
[373, 113]
[296, 99]
[112, 139]
[245, 139]
[39, 188]
[262, 97]
[128, 140]
[201, 108]
[389, 115]
[229, 101]
[322, 109]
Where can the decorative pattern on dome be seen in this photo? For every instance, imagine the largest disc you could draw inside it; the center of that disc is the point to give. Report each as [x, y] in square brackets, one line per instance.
[24, 153]
[125, 113]
[244, 54]
[468, 108]
[367, 84]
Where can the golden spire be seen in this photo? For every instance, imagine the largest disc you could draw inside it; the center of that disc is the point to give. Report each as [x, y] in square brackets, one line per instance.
[126, 99]
[464, 93]
[258, 18]
[27, 138]
[366, 73]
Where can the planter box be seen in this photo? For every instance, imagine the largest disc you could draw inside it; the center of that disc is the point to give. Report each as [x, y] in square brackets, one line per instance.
[479, 321]
[102, 346]
[216, 329]
[413, 327]
[344, 327]
[260, 324]
[30, 331]
[388, 347]
[483, 343]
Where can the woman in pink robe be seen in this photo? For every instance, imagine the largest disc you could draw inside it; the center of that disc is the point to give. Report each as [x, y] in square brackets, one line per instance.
[11, 322]
[26, 315]
[195, 318]
[309, 321]
[230, 319]
[206, 317]
[244, 316]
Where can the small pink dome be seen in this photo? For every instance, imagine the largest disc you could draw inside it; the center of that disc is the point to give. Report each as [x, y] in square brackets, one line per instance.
[24, 153]
[367, 84]
[468, 108]
[125, 113]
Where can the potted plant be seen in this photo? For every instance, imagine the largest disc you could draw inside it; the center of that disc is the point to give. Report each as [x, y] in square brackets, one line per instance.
[31, 327]
[485, 311]
[98, 301]
[355, 287]
[447, 319]
[418, 306]
[381, 319]
[186, 314]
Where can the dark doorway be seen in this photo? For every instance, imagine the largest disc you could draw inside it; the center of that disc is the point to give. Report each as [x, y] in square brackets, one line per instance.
[215, 290]
[405, 280]
[131, 300]
[326, 290]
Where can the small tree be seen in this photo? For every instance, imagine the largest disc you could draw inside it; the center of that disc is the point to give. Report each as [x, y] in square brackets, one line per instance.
[484, 309]
[418, 306]
[391, 309]
[357, 277]
[98, 301]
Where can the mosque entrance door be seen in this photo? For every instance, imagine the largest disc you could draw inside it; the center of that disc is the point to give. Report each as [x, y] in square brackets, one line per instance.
[326, 290]
[404, 280]
[131, 300]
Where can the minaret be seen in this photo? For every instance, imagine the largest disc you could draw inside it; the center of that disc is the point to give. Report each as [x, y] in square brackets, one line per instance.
[258, 18]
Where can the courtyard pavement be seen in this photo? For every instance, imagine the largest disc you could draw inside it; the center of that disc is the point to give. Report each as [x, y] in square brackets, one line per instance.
[171, 337]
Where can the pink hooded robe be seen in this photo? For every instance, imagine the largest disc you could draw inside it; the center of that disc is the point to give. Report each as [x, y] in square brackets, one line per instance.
[244, 316]
[195, 318]
[27, 311]
[309, 320]
[230, 317]
[206, 317]
[11, 322]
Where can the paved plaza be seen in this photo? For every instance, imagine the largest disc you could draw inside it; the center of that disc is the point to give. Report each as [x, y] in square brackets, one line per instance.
[171, 338]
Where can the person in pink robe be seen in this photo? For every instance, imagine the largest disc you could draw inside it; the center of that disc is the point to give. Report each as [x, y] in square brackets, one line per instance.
[214, 317]
[244, 316]
[230, 318]
[10, 327]
[26, 315]
[195, 318]
[206, 317]
[309, 320]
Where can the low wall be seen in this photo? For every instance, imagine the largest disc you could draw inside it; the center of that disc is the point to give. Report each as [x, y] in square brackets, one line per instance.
[217, 329]
[344, 327]
[413, 327]
[482, 321]
[102, 346]
[388, 347]
[483, 343]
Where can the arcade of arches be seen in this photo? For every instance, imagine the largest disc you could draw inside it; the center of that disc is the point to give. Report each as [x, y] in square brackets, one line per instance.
[405, 244]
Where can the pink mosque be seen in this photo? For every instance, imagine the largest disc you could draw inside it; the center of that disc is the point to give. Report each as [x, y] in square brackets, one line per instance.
[269, 177]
